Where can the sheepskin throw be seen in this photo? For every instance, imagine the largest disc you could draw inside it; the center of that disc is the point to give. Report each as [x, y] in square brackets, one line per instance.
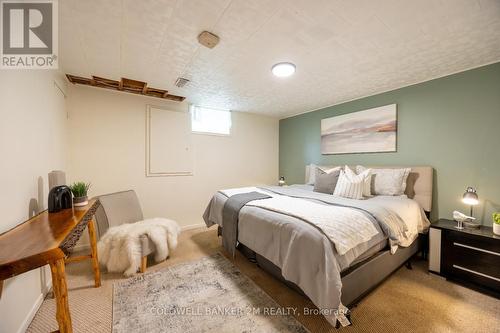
[120, 248]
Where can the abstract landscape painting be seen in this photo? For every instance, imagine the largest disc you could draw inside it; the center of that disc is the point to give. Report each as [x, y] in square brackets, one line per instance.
[369, 131]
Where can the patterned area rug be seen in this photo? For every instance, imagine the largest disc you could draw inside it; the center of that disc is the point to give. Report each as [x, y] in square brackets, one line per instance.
[207, 295]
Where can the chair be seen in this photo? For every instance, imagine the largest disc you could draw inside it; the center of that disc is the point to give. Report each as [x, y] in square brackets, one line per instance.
[118, 208]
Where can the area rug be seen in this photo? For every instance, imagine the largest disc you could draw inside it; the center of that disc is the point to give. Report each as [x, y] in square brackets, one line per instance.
[207, 295]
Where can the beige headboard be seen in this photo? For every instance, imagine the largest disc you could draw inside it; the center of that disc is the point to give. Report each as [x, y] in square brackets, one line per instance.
[418, 185]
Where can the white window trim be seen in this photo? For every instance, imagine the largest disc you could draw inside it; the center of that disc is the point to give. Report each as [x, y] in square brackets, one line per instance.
[191, 106]
[210, 133]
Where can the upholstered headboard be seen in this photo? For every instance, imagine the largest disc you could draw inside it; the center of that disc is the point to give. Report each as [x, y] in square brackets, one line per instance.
[418, 185]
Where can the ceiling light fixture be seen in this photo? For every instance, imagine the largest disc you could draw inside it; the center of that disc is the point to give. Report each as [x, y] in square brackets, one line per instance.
[283, 69]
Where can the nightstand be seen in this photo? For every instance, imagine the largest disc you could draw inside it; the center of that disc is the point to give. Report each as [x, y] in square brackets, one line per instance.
[468, 256]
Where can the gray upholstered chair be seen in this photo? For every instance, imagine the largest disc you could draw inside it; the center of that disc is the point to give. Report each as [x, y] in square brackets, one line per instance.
[118, 208]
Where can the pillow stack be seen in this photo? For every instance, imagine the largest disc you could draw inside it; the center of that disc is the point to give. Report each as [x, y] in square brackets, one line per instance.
[363, 183]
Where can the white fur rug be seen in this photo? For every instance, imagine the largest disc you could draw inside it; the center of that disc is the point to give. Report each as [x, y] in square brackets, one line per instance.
[120, 248]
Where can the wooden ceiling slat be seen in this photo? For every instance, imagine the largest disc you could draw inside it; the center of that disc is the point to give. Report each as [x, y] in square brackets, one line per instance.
[133, 83]
[125, 85]
[174, 98]
[78, 79]
[105, 83]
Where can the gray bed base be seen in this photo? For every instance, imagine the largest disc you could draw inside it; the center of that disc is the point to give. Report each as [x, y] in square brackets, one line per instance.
[358, 280]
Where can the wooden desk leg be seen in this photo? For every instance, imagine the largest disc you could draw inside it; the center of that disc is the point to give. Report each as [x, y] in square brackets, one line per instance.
[93, 251]
[61, 294]
[144, 264]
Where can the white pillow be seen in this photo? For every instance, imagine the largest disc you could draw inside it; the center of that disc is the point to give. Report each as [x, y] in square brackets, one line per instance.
[311, 179]
[387, 181]
[348, 186]
[367, 175]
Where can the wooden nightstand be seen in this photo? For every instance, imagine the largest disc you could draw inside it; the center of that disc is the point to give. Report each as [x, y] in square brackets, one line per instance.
[468, 256]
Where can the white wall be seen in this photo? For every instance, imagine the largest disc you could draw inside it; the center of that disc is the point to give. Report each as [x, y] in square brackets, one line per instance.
[32, 143]
[107, 148]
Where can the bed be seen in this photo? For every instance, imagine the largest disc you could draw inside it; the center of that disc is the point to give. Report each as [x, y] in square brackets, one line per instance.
[314, 260]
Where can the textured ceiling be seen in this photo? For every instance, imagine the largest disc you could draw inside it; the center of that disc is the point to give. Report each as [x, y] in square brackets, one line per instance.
[342, 49]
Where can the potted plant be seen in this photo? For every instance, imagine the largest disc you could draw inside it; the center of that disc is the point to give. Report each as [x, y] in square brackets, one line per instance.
[496, 223]
[80, 191]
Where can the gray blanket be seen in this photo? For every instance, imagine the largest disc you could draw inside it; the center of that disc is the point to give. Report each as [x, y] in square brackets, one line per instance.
[392, 225]
[305, 256]
[230, 214]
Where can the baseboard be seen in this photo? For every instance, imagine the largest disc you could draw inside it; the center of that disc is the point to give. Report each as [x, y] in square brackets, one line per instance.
[27, 321]
[47, 280]
[48, 288]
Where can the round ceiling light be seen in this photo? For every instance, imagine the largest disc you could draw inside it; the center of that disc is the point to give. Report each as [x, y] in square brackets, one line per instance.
[283, 69]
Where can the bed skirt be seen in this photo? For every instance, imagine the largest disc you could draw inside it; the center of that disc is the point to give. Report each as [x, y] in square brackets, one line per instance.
[358, 280]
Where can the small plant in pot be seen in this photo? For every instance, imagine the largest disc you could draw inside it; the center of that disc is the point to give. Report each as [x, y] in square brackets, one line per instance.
[80, 191]
[496, 223]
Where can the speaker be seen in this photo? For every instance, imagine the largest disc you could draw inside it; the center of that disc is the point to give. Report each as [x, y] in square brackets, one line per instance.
[60, 198]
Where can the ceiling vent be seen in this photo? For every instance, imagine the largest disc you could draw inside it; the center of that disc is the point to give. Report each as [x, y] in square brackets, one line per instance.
[181, 82]
[208, 39]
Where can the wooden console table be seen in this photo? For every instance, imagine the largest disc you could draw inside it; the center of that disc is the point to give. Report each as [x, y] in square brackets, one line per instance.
[47, 239]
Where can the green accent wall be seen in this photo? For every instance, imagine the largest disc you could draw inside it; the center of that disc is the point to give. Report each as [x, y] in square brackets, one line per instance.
[451, 123]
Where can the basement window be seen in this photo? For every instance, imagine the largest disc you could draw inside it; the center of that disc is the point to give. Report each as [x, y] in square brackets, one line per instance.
[210, 121]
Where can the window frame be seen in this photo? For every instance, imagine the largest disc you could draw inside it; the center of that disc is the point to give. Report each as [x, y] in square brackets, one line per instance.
[191, 109]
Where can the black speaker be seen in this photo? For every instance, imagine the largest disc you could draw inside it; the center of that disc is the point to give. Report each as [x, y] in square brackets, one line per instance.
[60, 198]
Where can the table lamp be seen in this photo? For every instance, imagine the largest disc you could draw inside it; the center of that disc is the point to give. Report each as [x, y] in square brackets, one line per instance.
[470, 198]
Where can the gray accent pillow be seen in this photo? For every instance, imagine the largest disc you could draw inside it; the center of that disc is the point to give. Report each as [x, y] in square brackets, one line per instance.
[326, 182]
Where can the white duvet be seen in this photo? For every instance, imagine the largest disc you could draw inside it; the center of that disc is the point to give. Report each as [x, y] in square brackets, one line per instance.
[409, 211]
[345, 227]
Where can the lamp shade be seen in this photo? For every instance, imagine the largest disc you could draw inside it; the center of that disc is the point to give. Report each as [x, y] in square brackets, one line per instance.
[470, 196]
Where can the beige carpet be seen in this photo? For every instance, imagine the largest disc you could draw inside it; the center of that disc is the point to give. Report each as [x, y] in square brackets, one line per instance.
[409, 301]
